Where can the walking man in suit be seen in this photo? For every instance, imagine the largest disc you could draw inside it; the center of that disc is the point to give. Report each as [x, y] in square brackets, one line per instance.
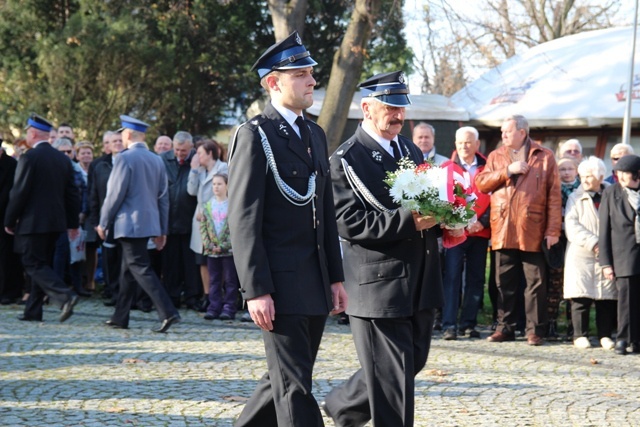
[136, 208]
[392, 266]
[43, 203]
[284, 237]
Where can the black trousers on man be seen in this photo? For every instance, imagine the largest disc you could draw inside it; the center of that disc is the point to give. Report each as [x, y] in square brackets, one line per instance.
[37, 258]
[180, 274]
[391, 352]
[283, 395]
[510, 265]
[136, 268]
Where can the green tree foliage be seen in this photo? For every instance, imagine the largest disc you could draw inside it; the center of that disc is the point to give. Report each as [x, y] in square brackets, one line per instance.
[179, 64]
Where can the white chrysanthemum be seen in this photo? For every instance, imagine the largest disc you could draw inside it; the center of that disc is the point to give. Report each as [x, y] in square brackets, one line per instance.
[396, 193]
[404, 179]
[413, 188]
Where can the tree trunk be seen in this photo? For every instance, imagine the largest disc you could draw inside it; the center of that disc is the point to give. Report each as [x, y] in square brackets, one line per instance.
[287, 15]
[346, 70]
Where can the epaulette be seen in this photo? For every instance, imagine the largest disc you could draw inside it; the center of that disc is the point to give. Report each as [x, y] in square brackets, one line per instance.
[343, 148]
[254, 122]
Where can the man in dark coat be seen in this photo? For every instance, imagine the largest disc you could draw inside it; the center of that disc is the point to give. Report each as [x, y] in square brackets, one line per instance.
[392, 266]
[44, 202]
[10, 267]
[181, 275]
[284, 237]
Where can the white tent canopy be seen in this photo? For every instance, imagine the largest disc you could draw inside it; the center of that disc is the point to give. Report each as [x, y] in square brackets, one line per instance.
[423, 107]
[574, 81]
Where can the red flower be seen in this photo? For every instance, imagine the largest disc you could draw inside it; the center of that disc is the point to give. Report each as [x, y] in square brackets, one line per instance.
[459, 201]
[423, 167]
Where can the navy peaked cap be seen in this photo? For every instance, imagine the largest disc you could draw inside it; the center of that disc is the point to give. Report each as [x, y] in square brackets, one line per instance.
[287, 54]
[38, 122]
[388, 88]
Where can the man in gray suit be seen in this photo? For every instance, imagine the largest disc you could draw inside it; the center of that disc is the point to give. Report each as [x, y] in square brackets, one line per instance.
[137, 207]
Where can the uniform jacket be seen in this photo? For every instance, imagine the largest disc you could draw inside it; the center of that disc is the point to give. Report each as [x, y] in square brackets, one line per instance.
[391, 269]
[137, 200]
[279, 248]
[44, 198]
[182, 205]
[617, 241]
[7, 172]
[482, 206]
[584, 279]
[525, 211]
[199, 185]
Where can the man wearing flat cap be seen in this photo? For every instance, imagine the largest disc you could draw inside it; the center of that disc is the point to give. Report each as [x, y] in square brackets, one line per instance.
[283, 232]
[619, 248]
[392, 266]
[43, 203]
[136, 208]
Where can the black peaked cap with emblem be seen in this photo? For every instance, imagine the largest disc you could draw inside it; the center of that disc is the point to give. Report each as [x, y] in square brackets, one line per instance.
[287, 54]
[388, 88]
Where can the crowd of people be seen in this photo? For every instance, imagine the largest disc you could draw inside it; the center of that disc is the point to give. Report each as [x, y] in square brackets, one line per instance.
[299, 235]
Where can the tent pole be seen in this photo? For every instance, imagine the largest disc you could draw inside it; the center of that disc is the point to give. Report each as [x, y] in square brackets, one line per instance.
[626, 128]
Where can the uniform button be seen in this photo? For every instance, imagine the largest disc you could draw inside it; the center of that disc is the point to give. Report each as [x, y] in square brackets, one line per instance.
[380, 275]
[318, 222]
[427, 251]
[295, 172]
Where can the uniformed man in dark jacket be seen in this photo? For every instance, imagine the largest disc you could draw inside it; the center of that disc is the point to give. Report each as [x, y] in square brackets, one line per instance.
[284, 237]
[392, 267]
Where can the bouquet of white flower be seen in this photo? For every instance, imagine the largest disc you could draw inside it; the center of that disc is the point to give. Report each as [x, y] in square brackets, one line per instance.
[442, 192]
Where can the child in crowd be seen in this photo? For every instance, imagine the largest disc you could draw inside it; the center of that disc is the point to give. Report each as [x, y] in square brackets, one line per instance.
[223, 278]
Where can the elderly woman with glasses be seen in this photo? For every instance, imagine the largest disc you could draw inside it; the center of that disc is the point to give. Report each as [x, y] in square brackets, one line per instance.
[619, 248]
[572, 149]
[617, 151]
[584, 283]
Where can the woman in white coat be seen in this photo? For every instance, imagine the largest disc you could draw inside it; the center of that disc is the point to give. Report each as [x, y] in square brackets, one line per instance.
[584, 282]
[204, 165]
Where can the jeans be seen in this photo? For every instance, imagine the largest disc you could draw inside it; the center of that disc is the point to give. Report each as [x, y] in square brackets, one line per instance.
[470, 256]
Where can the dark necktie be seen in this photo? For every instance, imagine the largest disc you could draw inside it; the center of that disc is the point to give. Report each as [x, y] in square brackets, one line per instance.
[396, 150]
[304, 134]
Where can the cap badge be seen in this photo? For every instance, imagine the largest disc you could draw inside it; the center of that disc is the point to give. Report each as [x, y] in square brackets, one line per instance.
[401, 78]
[298, 39]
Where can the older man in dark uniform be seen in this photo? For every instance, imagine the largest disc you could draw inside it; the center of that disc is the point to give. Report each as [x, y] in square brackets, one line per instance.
[284, 237]
[44, 202]
[392, 266]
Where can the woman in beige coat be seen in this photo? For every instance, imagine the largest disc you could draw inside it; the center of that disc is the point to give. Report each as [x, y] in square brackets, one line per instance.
[204, 165]
[584, 282]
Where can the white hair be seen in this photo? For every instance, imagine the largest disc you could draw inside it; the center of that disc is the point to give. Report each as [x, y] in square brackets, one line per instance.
[570, 141]
[622, 146]
[467, 129]
[593, 165]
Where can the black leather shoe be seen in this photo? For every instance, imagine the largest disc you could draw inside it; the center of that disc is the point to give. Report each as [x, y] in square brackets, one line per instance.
[28, 319]
[620, 348]
[114, 325]
[67, 308]
[166, 323]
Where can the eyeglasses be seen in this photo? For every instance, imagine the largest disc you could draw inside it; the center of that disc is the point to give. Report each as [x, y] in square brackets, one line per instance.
[615, 159]
[572, 151]
[66, 151]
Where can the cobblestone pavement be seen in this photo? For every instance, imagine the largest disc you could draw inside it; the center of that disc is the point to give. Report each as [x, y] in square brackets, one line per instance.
[82, 373]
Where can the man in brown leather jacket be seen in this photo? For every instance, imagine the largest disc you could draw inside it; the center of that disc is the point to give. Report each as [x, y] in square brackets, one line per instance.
[522, 178]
